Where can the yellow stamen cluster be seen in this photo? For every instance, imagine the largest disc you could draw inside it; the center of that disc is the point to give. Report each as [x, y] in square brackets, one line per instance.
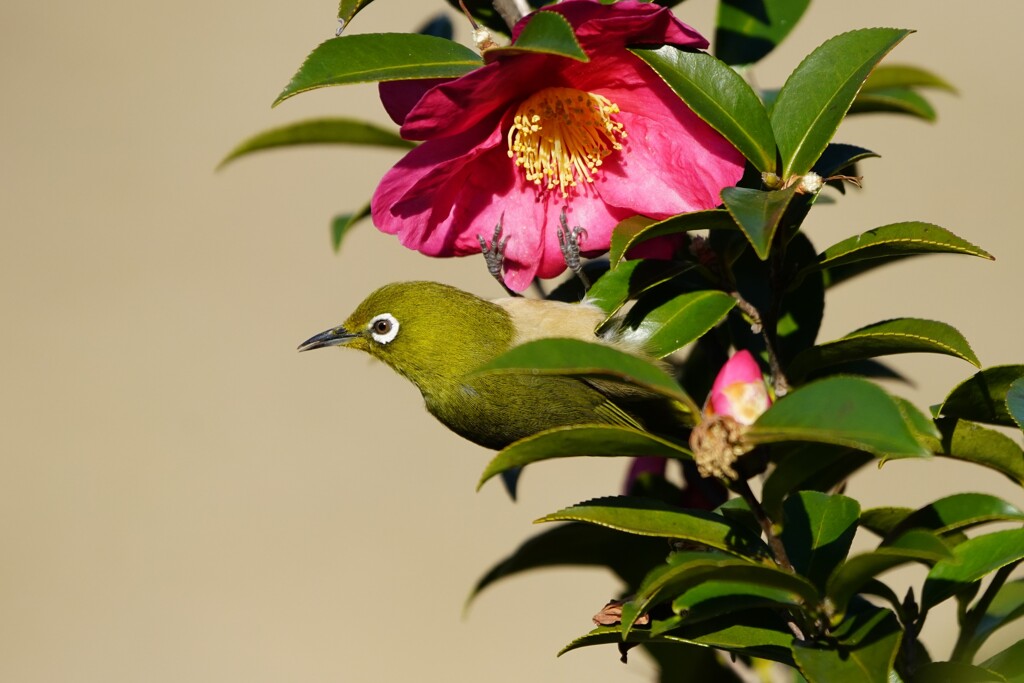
[562, 135]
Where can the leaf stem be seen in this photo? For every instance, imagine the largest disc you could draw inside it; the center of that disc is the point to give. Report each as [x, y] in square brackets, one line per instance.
[767, 526]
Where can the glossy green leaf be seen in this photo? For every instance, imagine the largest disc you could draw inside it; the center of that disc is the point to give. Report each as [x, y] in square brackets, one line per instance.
[893, 101]
[904, 76]
[846, 411]
[720, 96]
[371, 57]
[958, 512]
[647, 517]
[348, 9]
[317, 132]
[975, 443]
[545, 33]
[864, 650]
[716, 597]
[972, 560]
[638, 229]
[982, 397]
[341, 225]
[577, 544]
[897, 240]
[847, 580]
[747, 30]
[628, 280]
[810, 467]
[683, 319]
[1009, 663]
[688, 569]
[759, 633]
[1015, 401]
[586, 440]
[758, 213]
[900, 335]
[816, 96]
[921, 426]
[579, 358]
[817, 532]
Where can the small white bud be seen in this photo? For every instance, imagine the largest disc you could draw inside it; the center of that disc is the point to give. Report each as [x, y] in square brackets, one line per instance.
[810, 183]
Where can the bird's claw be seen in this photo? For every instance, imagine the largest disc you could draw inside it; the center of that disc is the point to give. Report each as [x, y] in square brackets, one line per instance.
[494, 255]
[569, 242]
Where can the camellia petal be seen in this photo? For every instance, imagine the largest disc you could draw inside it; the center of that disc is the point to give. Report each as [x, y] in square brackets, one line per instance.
[527, 137]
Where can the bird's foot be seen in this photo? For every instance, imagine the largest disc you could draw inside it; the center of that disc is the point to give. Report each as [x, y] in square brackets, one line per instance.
[494, 255]
[569, 242]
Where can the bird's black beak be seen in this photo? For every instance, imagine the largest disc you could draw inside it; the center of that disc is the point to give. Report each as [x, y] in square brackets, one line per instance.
[332, 337]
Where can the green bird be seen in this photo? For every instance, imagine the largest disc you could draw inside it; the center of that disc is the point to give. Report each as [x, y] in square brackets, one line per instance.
[436, 336]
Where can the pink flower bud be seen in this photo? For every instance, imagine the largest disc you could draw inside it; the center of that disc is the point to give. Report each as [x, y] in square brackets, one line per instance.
[739, 390]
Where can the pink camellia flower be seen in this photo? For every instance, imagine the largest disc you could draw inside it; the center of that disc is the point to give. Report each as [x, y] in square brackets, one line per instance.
[529, 135]
[739, 390]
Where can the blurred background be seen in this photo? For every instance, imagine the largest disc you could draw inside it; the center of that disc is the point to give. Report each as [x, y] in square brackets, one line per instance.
[183, 497]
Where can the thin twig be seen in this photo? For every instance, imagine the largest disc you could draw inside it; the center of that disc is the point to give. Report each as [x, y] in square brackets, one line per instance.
[778, 550]
[511, 11]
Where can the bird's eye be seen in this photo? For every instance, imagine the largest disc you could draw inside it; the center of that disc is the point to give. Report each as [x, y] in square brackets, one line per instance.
[383, 328]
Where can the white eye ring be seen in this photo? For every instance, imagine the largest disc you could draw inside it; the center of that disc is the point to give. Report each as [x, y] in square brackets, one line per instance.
[383, 328]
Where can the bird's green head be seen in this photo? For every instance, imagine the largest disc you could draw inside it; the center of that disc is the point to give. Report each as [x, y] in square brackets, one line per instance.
[426, 331]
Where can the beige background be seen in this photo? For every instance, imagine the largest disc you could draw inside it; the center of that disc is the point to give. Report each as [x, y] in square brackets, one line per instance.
[185, 498]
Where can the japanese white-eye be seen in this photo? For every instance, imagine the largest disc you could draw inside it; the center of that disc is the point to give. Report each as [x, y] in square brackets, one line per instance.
[436, 336]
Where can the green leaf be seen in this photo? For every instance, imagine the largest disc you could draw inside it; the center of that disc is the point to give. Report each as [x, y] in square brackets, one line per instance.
[864, 650]
[345, 222]
[316, 132]
[955, 672]
[897, 240]
[628, 280]
[846, 411]
[982, 397]
[893, 101]
[648, 517]
[688, 569]
[838, 157]
[1006, 607]
[904, 76]
[759, 633]
[958, 512]
[758, 213]
[577, 544]
[900, 335]
[972, 560]
[817, 532]
[348, 9]
[373, 57]
[1015, 401]
[747, 30]
[720, 96]
[545, 33]
[972, 442]
[579, 358]
[815, 98]
[715, 597]
[852, 575]
[637, 229]
[681, 320]
[1009, 663]
[811, 467]
[882, 520]
[584, 440]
